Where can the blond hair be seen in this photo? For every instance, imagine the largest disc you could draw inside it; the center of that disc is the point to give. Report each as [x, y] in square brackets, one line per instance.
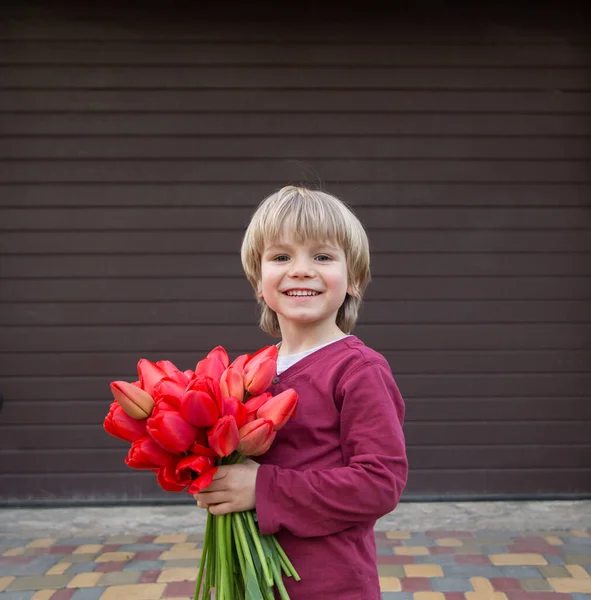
[309, 215]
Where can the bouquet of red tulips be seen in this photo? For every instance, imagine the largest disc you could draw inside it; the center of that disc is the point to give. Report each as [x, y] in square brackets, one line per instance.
[184, 424]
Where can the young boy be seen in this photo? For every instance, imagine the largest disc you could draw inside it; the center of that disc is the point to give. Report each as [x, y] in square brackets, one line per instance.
[340, 463]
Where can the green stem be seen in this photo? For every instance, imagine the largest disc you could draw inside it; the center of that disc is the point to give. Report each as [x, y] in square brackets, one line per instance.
[257, 544]
[229, 558]
[243, 541]
[219, 591]
[279, 581]
[238, 547]
[282, 554]
[203, 556]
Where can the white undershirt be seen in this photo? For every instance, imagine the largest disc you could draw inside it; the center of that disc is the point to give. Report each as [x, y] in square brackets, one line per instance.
[284, 362]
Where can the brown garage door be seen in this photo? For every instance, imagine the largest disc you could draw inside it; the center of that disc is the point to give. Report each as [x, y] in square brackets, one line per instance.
[134, 148]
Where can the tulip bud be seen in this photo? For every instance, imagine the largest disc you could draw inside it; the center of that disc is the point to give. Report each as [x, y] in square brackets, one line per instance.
[240, 361]
[232, 384]
[145, 453]
[120, 425]
[214, 364]
[150, 374]
[200, 404]
[254, 437]
[223, 437]
[172, 372]
[279, 408]
[260, 370]
[171, 431]
[169, 391]
[137, 403]
[236, 409]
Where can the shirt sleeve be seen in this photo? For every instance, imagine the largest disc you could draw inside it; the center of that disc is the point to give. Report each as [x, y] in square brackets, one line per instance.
[322, 502]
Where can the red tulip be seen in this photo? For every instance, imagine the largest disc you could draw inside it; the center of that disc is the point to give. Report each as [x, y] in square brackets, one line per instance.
[240, 361]
[236, 409]
[223, 437]
[202, 481]
[169, 391]
[150, 374]
[214, 364]
[279, 408]
[170, 430]
[232, 384]
[172, 372]
[120, 425]
[193, 464]
[137, 403]
[145, 453]
[252, 405]
[255, 436]
[260, 370]
[200, 446]
[169, 480]
[201, 401]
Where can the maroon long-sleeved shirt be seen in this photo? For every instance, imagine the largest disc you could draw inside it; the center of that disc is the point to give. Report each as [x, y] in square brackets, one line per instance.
[335, 468]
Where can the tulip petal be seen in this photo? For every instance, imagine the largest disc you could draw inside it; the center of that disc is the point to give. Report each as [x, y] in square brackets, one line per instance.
[202, 481]
[145, 453]
[120, 425]
[279, 408]
[232, 384]
[150, 374]
[223, 437]
[171, 431]
[169, 391]
[137, 403]
[168, 479]
[236, 409]
[254, 437]
[199, 408]
[193, 464]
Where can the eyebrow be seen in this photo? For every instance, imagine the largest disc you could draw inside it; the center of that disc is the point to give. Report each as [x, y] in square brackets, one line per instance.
[284, 246]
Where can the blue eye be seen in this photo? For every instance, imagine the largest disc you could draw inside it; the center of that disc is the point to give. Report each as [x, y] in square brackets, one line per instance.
[281, 258]
[323, 257]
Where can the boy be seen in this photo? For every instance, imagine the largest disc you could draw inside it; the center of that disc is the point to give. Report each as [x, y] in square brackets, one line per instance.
[340, 463]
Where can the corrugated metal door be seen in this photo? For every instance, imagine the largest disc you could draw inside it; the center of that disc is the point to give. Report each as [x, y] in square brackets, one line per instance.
[134, 150]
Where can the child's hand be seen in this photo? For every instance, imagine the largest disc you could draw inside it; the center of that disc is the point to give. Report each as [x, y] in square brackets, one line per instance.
[232, 489]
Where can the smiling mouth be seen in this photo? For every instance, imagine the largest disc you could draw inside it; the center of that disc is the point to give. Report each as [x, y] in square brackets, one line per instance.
[300, 293]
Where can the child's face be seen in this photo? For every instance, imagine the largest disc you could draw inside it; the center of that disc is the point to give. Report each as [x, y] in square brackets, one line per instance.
[305, 284]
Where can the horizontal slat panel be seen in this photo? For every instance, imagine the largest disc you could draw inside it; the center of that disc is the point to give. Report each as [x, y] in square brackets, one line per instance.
[142, 485]
[320, 77]
[453, 457]
[285, 54]
[416, 193]
[288, 147]
[258, 169]
[228, 265]
[286, 101]
[298, 124]
[246, 311]
[429, 385]
[81, 410]
[232, 218]
[403, 361]
[499, 483]
[220, 289]
[406, 24]
[190, 241]
[427, 434]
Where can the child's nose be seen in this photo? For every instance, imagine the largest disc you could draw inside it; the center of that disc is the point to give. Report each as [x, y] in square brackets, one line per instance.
[301, 267]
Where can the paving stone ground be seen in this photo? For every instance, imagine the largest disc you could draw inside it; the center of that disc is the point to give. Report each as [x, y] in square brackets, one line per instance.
[413, 565]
